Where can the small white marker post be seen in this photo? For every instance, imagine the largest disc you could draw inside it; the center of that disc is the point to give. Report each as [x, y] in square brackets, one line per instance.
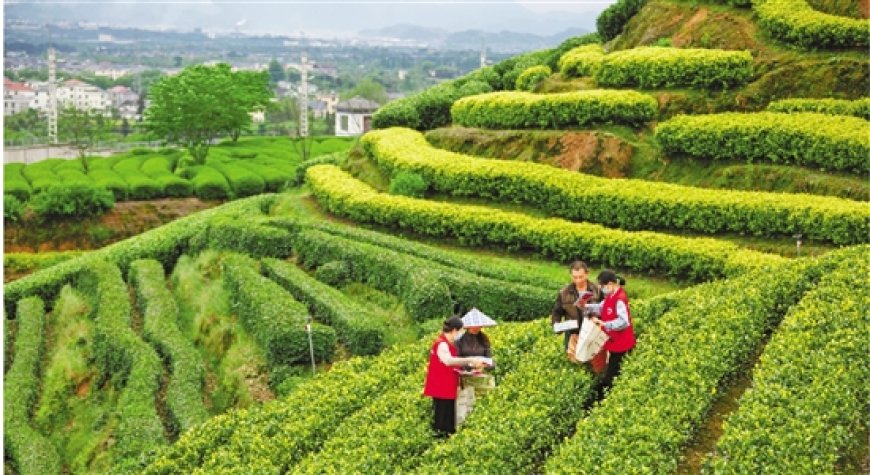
[798, 243]
[310, 342]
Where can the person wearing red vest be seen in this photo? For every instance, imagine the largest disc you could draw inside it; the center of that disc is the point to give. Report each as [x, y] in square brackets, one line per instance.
[616, 322]
[442, 376]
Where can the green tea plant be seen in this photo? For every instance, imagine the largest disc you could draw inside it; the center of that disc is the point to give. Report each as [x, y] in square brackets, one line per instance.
[627, 204]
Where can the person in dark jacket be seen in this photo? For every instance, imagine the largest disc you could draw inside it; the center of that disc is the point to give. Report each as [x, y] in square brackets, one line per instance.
[564, 308]
[474, 343]
[473, 385]
[442, 376]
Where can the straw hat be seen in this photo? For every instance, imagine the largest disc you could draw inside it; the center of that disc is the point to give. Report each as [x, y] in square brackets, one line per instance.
[476, 318]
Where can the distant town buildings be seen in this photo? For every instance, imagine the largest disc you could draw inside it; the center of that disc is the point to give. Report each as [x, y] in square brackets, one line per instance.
[19, 97]
[84, 96]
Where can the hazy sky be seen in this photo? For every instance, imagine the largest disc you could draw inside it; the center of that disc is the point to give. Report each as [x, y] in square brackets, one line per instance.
[340, 17]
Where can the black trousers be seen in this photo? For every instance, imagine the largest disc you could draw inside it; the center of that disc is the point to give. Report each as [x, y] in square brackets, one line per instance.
[445, 415]
[614, 364]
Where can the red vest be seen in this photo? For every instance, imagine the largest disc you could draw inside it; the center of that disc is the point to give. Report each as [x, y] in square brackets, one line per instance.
[441, 380]
[620, 340]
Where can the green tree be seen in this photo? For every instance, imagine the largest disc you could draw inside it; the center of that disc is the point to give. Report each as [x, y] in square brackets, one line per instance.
[368, 89]
[24, 126]
[276, 71]
[202, 103]
[252, 92]
[82, 129]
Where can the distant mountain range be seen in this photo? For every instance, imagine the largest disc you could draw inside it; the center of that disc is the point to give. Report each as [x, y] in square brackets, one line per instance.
[425, 21]
[503, 41]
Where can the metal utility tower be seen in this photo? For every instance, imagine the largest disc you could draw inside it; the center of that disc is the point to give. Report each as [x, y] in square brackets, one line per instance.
[52, 98]
[303, 97]
[482, 57]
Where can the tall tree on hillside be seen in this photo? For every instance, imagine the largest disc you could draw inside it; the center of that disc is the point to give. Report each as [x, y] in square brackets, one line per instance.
[369, 89]
[252, 93]
[83, 129]
[202, 103]
[276, 71]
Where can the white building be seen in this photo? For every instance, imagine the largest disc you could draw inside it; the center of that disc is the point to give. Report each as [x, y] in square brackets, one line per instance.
[40, 100]
[258, 116]
[129, 111]
[354, 116]
[330, 99]
[121, 94]
[83, 96]
[111, 72]
[16, 97]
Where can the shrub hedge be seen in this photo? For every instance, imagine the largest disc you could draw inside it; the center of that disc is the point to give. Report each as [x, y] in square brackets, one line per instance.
[249, 237]
[430, 109]
[165, 244]
[160, 315]
[796, 22]
[41, 174]
[361, 332]
[671, 379]
[208, 183]
[582, 61]
[524, 110]
[13, 209]
[421, 289]
[112, 181]
[627, 204]
[274, 436]
[29, 452]
[516, 273]
[809, 394]
[568, 45]
[274, 318]
[613, 19]
[529, 79]
[243, 181]
[273, 178]
[334, 273]
[14, 182]
[129, 362]
[857, 108]
[829, 142]
[428, 289]
[532, 410]
[337, 158]
[72, 199]
[693, 258]
[140, 185]
[19, 262]
[395, 429]
[68, 175]
[656, 67]
[160, 170]
[408, 184]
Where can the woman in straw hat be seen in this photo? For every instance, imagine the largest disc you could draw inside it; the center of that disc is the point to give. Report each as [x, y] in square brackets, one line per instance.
[473, 342]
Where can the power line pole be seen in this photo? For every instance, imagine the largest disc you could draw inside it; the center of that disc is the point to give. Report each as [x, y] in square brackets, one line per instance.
[303, 98]
[52, 97]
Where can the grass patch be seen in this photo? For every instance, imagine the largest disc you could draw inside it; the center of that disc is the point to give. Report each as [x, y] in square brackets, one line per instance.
[400, 327]
[235, 366]
[76, 410]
